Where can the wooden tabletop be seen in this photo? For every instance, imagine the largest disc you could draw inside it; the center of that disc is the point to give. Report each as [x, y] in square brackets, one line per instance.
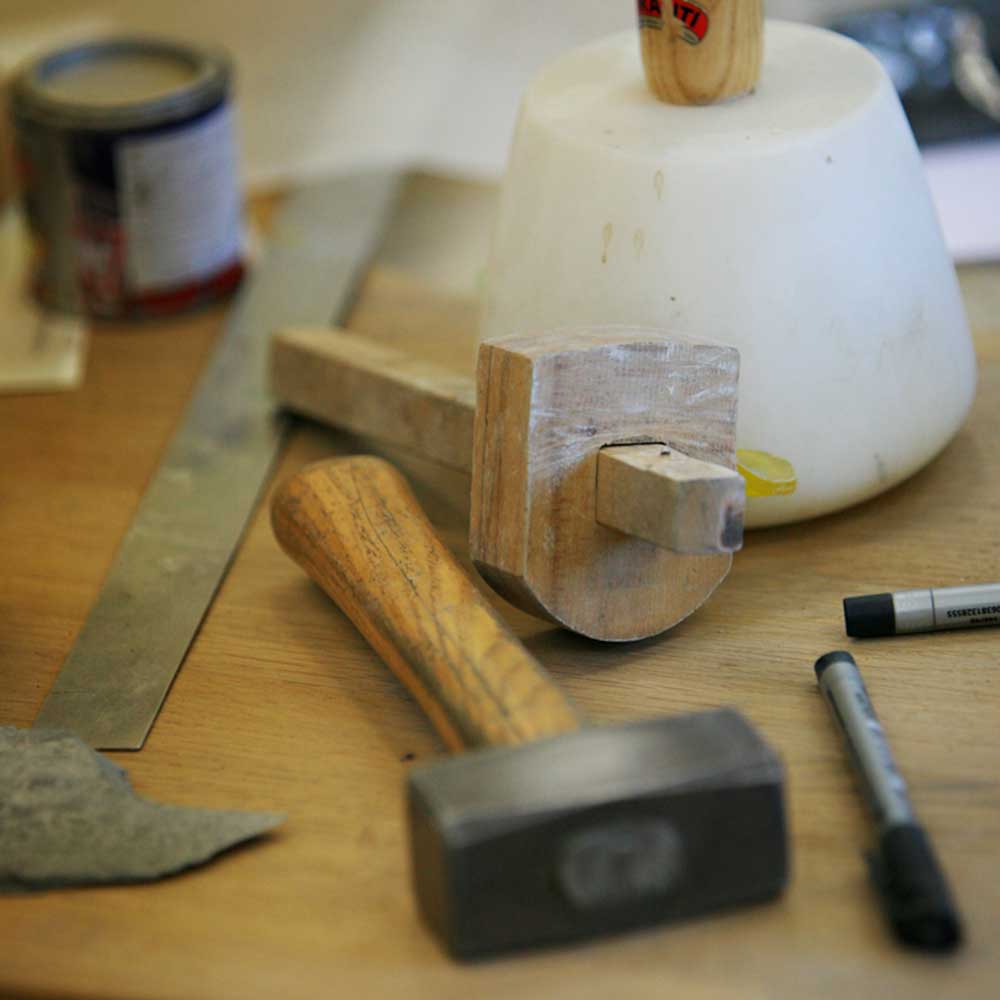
[280, 705]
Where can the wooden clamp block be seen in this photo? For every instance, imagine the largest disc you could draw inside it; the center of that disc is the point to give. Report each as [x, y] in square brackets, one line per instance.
[604, 493]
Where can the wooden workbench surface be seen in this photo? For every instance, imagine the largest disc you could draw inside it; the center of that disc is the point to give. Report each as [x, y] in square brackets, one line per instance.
[280, 705]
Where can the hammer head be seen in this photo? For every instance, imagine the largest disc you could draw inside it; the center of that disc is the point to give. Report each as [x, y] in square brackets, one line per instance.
[596, 831]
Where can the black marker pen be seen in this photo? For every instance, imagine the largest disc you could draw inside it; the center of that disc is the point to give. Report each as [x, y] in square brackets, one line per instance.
[926, 610]
[904, 867]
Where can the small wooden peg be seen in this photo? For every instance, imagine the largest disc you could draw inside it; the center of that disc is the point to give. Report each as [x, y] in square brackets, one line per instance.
[672, 500]
[701, 51]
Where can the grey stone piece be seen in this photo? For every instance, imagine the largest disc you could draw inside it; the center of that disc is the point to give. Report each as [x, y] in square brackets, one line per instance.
[68, 816]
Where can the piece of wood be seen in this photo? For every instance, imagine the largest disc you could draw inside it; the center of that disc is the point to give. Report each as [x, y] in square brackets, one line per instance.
[701, 51]
[357, 384]
[282, 705]
[698, 508]
[548, 404]
[358, 531]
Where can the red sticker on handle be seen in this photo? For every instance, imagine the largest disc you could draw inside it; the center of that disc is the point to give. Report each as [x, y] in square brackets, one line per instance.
[694, 21]
[693, 18]
[651, 14]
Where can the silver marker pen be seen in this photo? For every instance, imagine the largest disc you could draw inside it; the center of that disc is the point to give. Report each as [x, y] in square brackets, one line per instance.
[904, 867]
[926, 610]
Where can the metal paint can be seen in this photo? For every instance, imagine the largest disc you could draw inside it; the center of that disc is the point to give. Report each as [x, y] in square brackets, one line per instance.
[129, 176]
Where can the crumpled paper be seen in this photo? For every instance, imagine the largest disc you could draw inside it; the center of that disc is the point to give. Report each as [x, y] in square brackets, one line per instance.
[68, 816]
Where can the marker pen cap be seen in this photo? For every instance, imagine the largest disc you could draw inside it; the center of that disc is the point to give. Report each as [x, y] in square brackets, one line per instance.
[870, 616]
[918, 902]
[828, 659]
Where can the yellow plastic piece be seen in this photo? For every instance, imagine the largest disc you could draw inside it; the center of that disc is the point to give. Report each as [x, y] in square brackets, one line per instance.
[766, 475]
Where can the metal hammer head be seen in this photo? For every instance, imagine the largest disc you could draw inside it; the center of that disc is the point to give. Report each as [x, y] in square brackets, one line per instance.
[596, 831]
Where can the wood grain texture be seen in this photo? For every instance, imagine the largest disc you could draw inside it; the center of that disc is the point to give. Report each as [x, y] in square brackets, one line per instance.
[548, 404]
[702, 51]
[350, 381]
[281, 704]
[670, 499]
[358, 531]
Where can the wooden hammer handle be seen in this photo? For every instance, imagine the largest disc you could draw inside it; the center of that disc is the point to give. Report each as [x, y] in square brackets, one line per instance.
[701, 51]
[357, 530]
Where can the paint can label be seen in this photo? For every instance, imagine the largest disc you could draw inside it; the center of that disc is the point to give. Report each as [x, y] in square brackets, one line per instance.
[99, 250]
[157, 216]
[145, 222]
[179, 206]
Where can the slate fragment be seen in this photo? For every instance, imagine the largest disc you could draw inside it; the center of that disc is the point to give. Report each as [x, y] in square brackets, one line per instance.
[68, 816]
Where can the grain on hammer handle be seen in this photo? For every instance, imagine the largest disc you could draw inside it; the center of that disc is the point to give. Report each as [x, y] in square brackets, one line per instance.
[357, 530]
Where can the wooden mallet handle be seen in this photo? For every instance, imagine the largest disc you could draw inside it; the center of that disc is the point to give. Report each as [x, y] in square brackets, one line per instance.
[701, 51]
[358, 531]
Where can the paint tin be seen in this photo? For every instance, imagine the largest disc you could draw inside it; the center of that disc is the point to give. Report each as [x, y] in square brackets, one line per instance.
[129, 176]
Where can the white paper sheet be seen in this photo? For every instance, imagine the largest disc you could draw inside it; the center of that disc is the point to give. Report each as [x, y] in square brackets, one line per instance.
[325, 85]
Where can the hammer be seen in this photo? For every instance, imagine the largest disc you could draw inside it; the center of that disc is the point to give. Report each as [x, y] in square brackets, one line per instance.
[604, 490]
[551, 831]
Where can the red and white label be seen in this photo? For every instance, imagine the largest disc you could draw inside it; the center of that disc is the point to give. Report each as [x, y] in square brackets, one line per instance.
[693, 18]
[694, 21]
[651, 14]
[179, 204]
[100, 258]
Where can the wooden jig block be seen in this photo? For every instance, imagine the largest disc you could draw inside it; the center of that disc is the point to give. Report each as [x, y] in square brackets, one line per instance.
[604, 494]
